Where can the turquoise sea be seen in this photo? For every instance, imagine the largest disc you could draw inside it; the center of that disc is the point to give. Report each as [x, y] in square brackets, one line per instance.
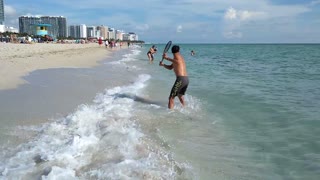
[252, 113]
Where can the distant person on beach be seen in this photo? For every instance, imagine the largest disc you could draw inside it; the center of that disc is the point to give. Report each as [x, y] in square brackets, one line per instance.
[106, 43]
[100, 41]
[150, 53]
[182, 81]
[192, 53]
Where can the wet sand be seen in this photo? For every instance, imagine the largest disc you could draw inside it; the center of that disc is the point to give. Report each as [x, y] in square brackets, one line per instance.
[39, 82]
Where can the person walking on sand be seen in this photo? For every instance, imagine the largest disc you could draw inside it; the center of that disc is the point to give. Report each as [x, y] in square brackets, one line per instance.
[182, 81]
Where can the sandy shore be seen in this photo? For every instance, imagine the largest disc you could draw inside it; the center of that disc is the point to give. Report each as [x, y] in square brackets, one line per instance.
[17, 60]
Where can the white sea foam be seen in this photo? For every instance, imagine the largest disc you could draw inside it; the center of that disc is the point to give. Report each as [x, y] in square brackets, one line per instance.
[99, 140]
[130, 57]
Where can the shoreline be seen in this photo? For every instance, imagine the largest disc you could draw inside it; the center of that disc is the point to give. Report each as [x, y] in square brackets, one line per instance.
[18, 60]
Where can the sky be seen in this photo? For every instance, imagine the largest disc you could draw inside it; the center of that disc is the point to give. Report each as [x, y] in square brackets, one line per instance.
[186, 21]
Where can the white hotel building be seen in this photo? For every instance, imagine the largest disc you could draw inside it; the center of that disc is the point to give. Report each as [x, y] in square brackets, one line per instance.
[77, 31]
[83, 31]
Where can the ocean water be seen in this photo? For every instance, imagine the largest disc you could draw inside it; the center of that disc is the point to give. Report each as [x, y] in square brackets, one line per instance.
[252, 113]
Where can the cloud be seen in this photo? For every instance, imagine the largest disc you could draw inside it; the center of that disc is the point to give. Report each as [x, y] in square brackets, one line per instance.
[230, 14]
[179, 29]
[242, 15]
[9, 10]
[234, 18]
[243, 23]
[11, 18]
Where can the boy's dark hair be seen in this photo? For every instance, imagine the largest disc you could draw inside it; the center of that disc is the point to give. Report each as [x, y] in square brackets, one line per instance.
[175, 49]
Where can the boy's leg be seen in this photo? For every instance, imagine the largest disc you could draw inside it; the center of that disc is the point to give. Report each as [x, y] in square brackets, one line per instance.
[181, 99]
[171, 103]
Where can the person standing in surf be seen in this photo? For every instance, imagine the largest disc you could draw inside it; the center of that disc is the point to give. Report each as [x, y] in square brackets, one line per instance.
[150, 53]
[182, 81]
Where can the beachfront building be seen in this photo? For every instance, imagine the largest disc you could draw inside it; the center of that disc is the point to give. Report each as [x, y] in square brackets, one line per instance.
[91, 31]
[131, 36]
[78, 31]
[119, 35]
[83, 31]
[1, 12]
[74, 31]
[112, 33]
[62, 23]
[58, 25]
[2, 27]
[103, 31]
[98, 33]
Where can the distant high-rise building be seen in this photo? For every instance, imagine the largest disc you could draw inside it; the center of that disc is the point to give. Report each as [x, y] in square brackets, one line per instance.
[112, 33]
[1, 12]
[119, 35]
[78, 31]
[58, 25]
[103, 31]
[74, 31]
[62, 23]
[91, 31]
[83, 31]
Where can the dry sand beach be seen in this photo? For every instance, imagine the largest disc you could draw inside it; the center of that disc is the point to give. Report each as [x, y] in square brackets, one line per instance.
[17, 60]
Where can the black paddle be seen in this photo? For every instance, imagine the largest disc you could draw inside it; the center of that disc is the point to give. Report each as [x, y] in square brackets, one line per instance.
[166, 48]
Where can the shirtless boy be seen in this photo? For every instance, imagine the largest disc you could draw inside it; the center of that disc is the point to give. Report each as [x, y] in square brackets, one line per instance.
[179, 67]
